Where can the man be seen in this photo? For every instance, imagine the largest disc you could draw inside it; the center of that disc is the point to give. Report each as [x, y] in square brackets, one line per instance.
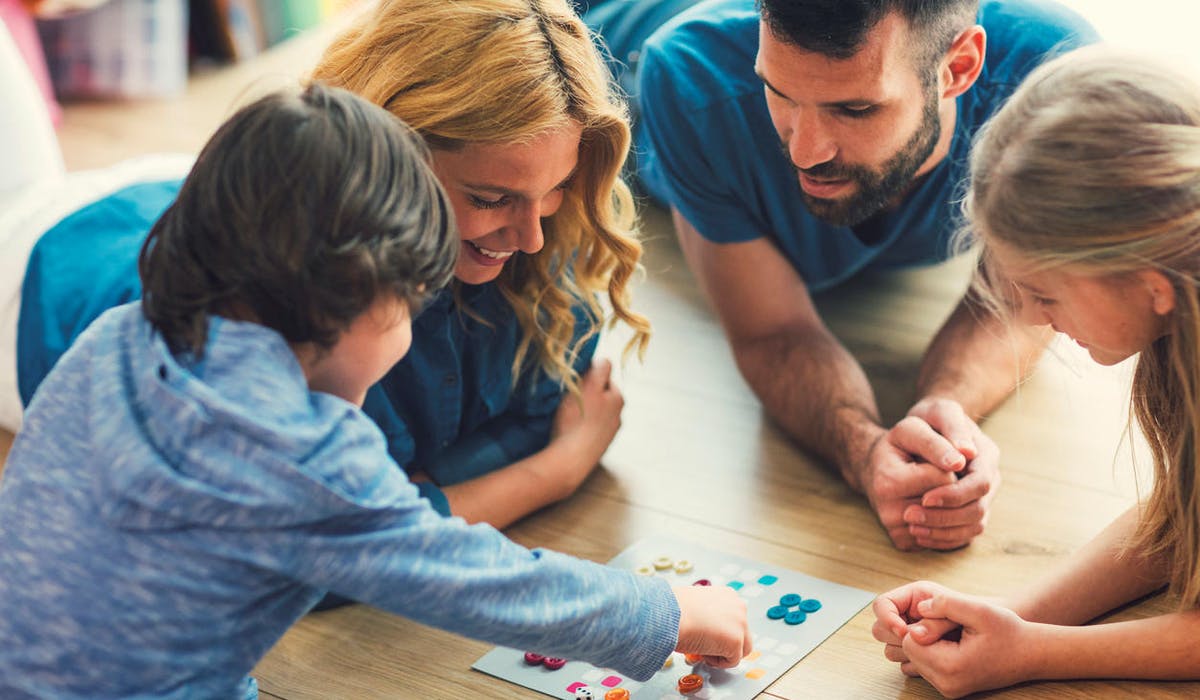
[802, 142]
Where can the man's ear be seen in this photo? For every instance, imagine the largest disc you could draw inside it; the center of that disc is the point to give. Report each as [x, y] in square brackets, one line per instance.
[962, 64]
[1162, 292]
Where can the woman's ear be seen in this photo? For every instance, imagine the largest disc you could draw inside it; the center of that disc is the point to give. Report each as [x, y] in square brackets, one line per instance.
[1162, 292]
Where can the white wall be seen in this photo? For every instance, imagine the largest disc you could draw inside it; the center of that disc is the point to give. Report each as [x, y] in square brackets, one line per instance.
[1167, 27]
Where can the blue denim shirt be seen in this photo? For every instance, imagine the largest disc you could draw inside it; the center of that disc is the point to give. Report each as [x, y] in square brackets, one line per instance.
[449, 408]
[164, 520]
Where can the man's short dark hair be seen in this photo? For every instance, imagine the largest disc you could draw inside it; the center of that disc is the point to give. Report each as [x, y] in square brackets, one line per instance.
[838, 28]
[300, 212]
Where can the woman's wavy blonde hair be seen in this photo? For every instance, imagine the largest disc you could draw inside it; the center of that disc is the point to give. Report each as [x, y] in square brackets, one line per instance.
[1094, 164]
[506, 71]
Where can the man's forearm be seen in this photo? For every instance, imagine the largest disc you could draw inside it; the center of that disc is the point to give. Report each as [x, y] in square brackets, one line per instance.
[813, 388]
[978, 359]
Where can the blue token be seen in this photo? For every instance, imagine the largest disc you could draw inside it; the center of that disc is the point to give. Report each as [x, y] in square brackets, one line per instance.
[810, 605]
[735, 585]
[768, 580]
[795, 617]
[789, 600]
[777, 612]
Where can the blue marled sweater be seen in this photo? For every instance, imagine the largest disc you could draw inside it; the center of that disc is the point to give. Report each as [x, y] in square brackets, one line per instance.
[163, 521]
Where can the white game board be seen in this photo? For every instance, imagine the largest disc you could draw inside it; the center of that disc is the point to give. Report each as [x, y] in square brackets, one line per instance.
[777, 645]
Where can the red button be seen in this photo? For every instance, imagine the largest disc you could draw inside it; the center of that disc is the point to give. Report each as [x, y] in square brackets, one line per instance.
[553, 663]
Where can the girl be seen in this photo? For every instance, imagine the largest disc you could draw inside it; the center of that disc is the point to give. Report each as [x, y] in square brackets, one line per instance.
[1085, 197]
[528, 141]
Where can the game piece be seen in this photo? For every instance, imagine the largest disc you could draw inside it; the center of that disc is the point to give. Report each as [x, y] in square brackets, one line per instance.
[776, 612]
[690, 683]
[683, 566]
[584, 693]
[553, 663]
[795, 617]
[533, 659]
[617, 694]
[645, 570]
[790, 600]
[663, 563]
[692, 659]
[810, 605]
[780, 645]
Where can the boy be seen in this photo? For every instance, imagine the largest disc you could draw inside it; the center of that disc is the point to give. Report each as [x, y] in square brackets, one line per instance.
[196, 473]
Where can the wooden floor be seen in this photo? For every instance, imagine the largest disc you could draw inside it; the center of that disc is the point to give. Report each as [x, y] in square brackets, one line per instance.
[697, 459]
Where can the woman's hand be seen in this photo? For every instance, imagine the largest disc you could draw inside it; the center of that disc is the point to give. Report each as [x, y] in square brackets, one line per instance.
[585, 425]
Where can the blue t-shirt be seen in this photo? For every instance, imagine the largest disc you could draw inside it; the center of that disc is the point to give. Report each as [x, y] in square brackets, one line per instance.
[164, 520]
[449, 408]
[707, 146]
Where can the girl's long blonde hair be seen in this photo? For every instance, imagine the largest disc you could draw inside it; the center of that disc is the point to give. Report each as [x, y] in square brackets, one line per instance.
[1094, 163]
[507, 71]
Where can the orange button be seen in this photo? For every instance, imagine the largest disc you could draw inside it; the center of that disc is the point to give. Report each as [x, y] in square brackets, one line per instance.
[690, 683]
[692, 659]
[617, 694]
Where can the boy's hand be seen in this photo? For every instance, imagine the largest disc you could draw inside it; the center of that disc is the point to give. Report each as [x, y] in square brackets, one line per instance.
[713, 625]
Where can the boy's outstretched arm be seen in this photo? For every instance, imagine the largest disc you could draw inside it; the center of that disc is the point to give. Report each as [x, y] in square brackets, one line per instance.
[380, 542]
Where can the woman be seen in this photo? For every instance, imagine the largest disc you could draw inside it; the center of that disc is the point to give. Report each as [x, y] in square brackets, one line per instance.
[528, 141]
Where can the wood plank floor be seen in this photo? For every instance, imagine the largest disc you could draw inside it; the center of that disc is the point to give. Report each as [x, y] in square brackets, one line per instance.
[697, 459]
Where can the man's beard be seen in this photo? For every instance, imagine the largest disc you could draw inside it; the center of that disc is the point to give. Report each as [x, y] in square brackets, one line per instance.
[876, 189]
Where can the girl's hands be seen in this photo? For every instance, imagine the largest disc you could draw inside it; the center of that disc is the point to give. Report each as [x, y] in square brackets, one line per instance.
[960, 644]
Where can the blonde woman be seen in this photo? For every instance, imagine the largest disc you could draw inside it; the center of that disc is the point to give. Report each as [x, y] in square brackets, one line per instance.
[1085, 196]
[528, 141]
